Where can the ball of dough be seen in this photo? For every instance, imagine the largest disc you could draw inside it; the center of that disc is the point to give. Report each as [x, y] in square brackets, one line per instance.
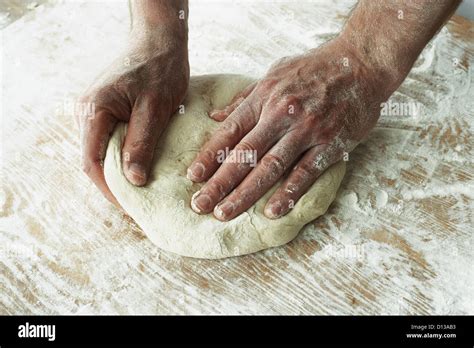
[162, 207]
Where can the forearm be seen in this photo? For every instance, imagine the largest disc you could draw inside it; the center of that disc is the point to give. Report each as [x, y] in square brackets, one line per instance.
[389, 35]
[157, 18]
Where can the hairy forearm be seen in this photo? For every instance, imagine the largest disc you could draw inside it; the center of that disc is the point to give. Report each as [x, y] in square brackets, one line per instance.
[157, 18]
[389, 35]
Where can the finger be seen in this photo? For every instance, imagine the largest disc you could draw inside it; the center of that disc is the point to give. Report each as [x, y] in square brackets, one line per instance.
[146, 123]
[314, 162]
[261, 179]
[232, 130]
[221, 115]
[95, 134]
[236, 166]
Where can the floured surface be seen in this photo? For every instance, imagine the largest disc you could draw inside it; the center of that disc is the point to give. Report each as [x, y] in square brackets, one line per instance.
[162, 208]
[397, 240]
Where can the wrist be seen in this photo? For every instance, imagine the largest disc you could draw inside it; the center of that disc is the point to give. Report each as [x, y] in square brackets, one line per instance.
[152, 13]
[389, 35]
[160, 22]
[162, 38]
[381, 60]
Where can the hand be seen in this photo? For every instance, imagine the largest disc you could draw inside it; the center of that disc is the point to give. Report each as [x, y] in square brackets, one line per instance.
[144, 87]
[308, 110]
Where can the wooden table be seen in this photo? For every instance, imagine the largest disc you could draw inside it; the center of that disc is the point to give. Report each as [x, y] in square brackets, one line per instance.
[397, 240]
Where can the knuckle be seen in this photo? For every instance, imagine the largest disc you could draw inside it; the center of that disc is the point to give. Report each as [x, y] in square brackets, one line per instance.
[236, 102]
[248, 89]
[231, 128]
[312, 120]
[88, 165]
[291, 100]
[273, 164]
[290, 105]
[102, 96]
[267, 84]
[243, 195]
[207, 156]
[124, 82]
[306, 169]
[245, 147]
[291, 188]
[216, 187]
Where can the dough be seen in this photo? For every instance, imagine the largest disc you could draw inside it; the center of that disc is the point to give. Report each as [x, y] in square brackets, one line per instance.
[162, 207]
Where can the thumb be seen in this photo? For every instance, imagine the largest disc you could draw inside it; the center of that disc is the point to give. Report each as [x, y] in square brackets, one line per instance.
[144, 129]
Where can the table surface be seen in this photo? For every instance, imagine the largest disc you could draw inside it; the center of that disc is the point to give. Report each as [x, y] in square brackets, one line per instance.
[397, 240]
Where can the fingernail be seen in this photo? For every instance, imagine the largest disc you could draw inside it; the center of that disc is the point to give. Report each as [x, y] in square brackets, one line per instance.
[224, 210]
[196, 171]
[200, 203]
[273, 211]
[138, 173]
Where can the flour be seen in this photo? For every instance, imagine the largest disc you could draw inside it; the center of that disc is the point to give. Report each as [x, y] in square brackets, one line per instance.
[74, 245]
[381, 199]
